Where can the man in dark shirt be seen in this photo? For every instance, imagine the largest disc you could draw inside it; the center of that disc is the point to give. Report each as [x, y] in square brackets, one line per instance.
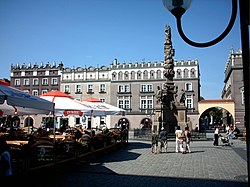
[163, 139]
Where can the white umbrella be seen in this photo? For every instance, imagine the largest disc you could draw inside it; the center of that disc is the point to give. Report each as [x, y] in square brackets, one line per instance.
[107, 109]
[65, 105]
[17, 102]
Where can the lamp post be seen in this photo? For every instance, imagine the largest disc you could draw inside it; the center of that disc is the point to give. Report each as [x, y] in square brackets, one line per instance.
[179, 7]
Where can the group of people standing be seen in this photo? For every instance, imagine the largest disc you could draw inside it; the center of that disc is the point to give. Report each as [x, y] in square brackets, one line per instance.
[232, 132]
[162, 138]
[182, 138]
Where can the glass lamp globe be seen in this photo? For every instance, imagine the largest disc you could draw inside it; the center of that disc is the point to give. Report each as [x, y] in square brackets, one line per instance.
[171, 4]
[177, 7]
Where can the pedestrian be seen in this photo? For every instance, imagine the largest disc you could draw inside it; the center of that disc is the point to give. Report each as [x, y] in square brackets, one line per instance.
[227, 129]
[179, 140]
[236, 132]
[216, 137]
[187, 139]
[154, 142]
[196, 128]
[163, 140]
[5, 160]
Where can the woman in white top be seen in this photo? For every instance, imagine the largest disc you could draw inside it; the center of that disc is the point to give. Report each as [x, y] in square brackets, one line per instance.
[179, 140]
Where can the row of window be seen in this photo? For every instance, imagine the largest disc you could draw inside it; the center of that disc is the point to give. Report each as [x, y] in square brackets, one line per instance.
[36, 92]
[186, 73]
[90, 87]
[146, 102]
[35, 81]
[121, 88]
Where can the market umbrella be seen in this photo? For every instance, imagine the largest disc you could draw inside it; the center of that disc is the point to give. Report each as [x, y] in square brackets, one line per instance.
[17, 102]
[107, 109]
[65, 104]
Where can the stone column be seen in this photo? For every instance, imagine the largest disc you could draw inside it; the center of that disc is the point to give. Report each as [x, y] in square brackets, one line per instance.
[166, 112]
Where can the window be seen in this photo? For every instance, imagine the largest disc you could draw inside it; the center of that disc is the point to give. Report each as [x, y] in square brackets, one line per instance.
[90, 88]
[124, 102]
[146, 88]
[189, 101]
[179, 73]
[102, 88]
[126, 77]
[138, 75]
[193, 73]
[78, 89]
[66, 89]
[26, 82]
[158, 74]
[45, 81]
[17, 82]
[54, 81]
[132, 75]
[44, 91]
[35, 82]
[124, 88]
[189, 87]
[114, 76]
[152, 74]
[146, 102]
[186, 73]
[145, 75]
[120, 75]
[35, 92]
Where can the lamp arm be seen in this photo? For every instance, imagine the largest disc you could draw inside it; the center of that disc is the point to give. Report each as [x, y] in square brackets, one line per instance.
[216, 40]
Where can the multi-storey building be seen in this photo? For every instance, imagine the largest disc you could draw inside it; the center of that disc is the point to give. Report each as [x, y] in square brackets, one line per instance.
[234, 87]
[132, 86]
[36, 79]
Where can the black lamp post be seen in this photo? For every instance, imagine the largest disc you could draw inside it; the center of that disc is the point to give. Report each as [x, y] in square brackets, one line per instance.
[179, 7]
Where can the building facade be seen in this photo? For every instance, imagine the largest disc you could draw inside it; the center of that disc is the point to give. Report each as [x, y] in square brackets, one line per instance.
[234, 88]
[36, 79]
[132, 86]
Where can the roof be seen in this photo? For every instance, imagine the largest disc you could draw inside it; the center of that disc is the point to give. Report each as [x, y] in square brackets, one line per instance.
[57, 93]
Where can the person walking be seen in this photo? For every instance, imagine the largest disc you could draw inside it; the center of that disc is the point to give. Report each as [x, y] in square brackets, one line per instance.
[5, 160]
[187, 139]
[163, 140]
[179, 140]
[154, 142]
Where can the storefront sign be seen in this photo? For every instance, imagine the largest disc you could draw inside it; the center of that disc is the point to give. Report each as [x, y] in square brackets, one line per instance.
[72, 112]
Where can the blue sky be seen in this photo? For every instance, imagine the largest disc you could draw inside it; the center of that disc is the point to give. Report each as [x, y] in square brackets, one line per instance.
[94, 32]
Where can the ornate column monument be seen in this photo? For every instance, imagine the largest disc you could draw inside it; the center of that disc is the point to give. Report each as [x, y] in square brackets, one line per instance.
[168, 112]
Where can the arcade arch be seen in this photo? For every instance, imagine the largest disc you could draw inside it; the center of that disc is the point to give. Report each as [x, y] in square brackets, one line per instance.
[146, 123]
[226, 107]
[28, 121]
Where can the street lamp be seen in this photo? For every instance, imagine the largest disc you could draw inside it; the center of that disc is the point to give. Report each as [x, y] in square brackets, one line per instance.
[179, 7]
